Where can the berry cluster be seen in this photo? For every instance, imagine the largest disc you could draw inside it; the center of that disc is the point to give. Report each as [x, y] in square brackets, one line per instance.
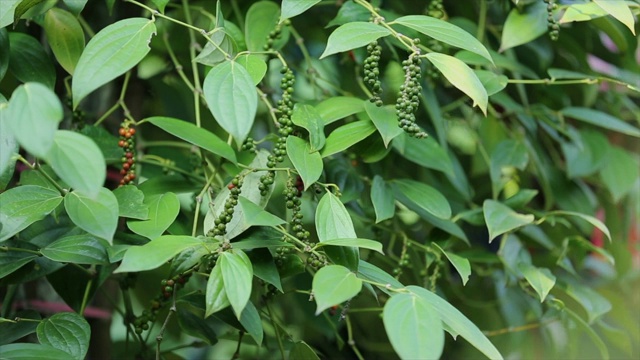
[249, 145]
[127, 143]
[436, 9]
[167, 287]
[552, 23]
[408, 97]
[372, 72]
[226, 215]
[274, 35]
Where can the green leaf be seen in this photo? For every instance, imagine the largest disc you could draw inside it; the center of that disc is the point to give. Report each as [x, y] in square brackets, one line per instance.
[601, 119]
[353, 35]
[334, 284]
[212, 55]
[361, 243]
[590, 219]
[8, 9]
[373, 273]
[492, 82]
[78, 249]
[75, 6]
[192, 322]
[302, 351]
[23, 7]
[255, 65]
[595, 338]
[501, 219]
[462, 77]
[334, 222]
[65, 36]
[113, 51]
[14, 260]
[29, 351]
[161, 4]
[347, 135]
[424, 152]
[508, 153]
[264, 267]
[339, 107]
[33, 116]
[462, 265]
[29, 62]
[216, 295]
[414, 328]
[163, 210]
[588, 153]
[23, 205]
[308, 117]
[308, 163]
[4, 52]
[107, 143]
[382, 199]
[96, 215]
[237, 274]
[444, 32]
[78, 161]
[250, 320]
[540, 279]
[593, 303]
[385, 120]
[619, 10]
[523, 27]
[68, 332]
[232, 98]
[194, 135]
[291, 8]
[620, 173]
[254, 215]
[582, 12]
[261, 19]
[156, 252]
[131, 202]
[349, 12]
[424, 196]
[456, 323]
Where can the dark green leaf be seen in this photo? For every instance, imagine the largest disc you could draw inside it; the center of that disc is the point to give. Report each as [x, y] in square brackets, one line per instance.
[163, 210]
[68, 332]
[361, 243]
[601, 119]
[302, 351]
[307, 162]
[424, 152]
[347, 135]
[263, 267]
[425, 196]
[29, 62]
[156, 252]
[353, 35]
[237, 274]
[334, 284]
[78, 249]
[65, 36]
[131, 202]
[508, 153]
[10, 332]
[501, 219]
[382, 199]
[587, 154]
[4, 51]
[250, 320]
[107, 143]
[96, 215]
[24, 205]
[590, 219]
[308, 117]
[28, 351]
[194, 324]
[14, 260]
[261, 19]
[349, 12]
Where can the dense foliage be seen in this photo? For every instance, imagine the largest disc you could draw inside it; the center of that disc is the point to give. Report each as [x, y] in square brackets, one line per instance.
[319, 179]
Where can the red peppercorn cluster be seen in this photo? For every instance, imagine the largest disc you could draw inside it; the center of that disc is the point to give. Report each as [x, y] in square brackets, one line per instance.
[127, 143]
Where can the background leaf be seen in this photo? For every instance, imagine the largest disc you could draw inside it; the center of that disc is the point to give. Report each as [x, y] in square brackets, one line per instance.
[620, 173]
[216, 295]
[385, 120]
[29, 351]
[29, 62]
[540, 279]
[382, 199]
[619, 10]
[601, 119]
[462, 265]
[308, 117]
[425, 196]
[522, 27]
[131, 202]
[345, 136]
[78, 249]
[291, 8]
[155, 253]
[501, 219]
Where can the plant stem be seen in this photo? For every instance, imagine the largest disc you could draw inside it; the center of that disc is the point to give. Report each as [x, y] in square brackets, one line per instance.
[160, 15]
[277, 331]
[8, 248]
[85, 298]
[236, 354]
[160, 336]
[350, 340]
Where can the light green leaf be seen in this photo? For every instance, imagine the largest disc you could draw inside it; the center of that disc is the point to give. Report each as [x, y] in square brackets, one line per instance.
[601, 119]
[23, 205]
[160, 4]
[462, 265]
[501, 219]
[28, 60]
[587, 153]
[29, 351]
[194, 135]
[302, 351]
[308, 163]
[540, 279]
[131, 202]
[75, 6]
[212, 55]
[347, 135]
[156, 252]
[78, 249]
[492, 82]
[260, 20]
[582, 12]
[444, 32]
[593, 303]
[361, 243]
[216, 295]
[424, 196]
[96, 215]
[66, 331]
[254, 215]
[113, 51]
[414, 328]
[4, 54]
[619, 10]
[78, 161]
[382, 199]
[590, 219]
[424, 152]
[33, 116]
[523, 27]
[353, 35]
[255, 65]
[334, 222]
[508, 153]
[237, 274]
[232, 98]
[334, 284]
[308, 117]
[462, 77]
[250, 320]
[291, 8]
[338, 107]
[163, 210]
[8, 8]
[65, 36]
[620, 173]
[595, 338]
[385, 120]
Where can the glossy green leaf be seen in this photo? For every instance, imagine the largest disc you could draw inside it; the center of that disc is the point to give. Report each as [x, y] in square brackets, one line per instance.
[308, 117]
[334, 284]
[501, 219]
[78, 249]
[156, 252]
[192, 322]
[424, 152]
[216, 295]
[96, 215]
[194, 135]
[601, 119]
[353, 35]
[462, 265]
[302, 351]
[4, 52]
[385, 120]
[508, 153]
[113, 51]
[65, 36]
[462, 77]
[523, 27]
[255, 65]
[264, 267]
[78, 161]
[291, 8]
[260, 20]
[14, 260]
[371, 272]
[339, 107]
[163, 210]
[492, 82]
[308, 163]
[22, 206]
[232, 98]
[619, 10]
[620, 173]
[33, 116]
[107, 142]
[161, 4]
[582, 12]
[23, 7]
[237, 274]
[29, 62]
[30, 351]
[590, 219]
[444, 32]
[425, 196]
[131, 202]
[455, 323]
[250, 320]
[414, 328]
[382, 199]
[255, 215]
[75, 6]
[540, 279]
[334, 222]
[66, 331]
[347, 135]
[361, 243]
[8, 9]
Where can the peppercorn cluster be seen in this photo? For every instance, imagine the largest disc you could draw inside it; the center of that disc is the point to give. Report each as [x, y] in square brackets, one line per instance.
[249, 145]
[220, 223]
[552, 23]
[127, 143]
[408, 98]
[436, 9]
[372, 72]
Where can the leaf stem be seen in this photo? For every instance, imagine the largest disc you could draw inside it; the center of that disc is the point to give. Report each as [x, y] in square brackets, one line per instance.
[160, 336]
[39, 169]
[9, 248]
[85, 297]
[161, 15]
[275, 328]
[350, 340]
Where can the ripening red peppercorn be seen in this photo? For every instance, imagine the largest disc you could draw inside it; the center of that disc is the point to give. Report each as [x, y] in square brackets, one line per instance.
[132, 131]
[122, 131]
